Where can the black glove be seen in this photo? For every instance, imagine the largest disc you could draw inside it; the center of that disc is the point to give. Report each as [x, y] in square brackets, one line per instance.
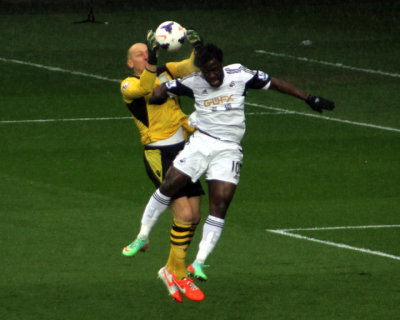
[152, 47]
[318, 103]
[194, 38]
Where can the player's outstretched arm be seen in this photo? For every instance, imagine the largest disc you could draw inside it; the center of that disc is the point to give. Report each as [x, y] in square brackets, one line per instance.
[288, 88]
[316, 103]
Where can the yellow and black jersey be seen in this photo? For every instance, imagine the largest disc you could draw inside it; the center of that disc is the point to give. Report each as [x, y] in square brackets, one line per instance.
[156, 122]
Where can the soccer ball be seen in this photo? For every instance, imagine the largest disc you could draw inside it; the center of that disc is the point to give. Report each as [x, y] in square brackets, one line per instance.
[170, 35]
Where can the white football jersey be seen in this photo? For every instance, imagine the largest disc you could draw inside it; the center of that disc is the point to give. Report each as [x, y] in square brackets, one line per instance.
[220, 110]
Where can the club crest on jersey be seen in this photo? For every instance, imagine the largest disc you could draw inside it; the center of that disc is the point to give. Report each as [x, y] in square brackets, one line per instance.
[218, 100]
[163, 78]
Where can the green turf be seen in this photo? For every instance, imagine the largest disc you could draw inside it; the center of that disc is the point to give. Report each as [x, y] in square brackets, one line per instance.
[72, 192]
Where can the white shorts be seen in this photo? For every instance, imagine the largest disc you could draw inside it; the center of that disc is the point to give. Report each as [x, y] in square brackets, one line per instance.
[221, 160]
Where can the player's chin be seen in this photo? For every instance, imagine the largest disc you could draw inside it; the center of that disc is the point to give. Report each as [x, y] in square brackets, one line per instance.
[215, 83]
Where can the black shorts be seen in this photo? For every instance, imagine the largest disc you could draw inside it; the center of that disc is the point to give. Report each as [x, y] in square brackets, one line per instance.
[157, 161]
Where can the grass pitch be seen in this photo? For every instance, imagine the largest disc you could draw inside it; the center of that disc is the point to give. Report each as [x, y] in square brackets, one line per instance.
[73, 185]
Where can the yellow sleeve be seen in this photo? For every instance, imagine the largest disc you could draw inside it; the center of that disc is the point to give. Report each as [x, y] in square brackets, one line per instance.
[182, 68]
[134, 88]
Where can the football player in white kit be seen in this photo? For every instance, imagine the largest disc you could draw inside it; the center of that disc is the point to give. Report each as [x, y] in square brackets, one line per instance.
[214, 148]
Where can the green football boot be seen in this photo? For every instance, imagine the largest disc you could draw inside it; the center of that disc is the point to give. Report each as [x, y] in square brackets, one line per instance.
[135, 246]
[196, 270]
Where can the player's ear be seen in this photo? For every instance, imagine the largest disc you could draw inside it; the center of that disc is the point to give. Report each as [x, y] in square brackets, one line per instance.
[129, 63]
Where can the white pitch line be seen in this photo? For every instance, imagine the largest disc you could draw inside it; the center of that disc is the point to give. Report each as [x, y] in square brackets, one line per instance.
[265, 113]
[311, 115]
[289, 233]
[63, 120]
[83, 74]
[103, 118]
[344, 227]
[332, 64]
[56, 69]
[277, 111]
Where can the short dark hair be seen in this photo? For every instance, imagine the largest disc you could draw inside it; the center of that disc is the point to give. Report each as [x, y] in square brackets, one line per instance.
[206, 53]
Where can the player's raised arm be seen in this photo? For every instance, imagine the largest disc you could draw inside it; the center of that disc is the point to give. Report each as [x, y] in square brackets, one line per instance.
[183, 68]
[316, 103]
[152, 49]
[194, 38]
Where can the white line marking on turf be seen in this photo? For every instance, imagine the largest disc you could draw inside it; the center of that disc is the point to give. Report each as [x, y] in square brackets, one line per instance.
[56, 69]
[344, 227]
[265, 113]
[311, 115]
[106, 118]
[63, 120]
[290, 233]
[332, 64]
[278, 110]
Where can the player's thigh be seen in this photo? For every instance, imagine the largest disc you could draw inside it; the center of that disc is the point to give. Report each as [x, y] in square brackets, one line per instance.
[157, 161]
[193, 159]
[225, 165]
[154, 165]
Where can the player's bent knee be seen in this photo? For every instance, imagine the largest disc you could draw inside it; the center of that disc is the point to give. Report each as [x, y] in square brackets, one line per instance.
[182, 210]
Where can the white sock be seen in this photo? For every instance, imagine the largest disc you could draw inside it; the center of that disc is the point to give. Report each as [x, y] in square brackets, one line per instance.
[212, 230]
[157, 204]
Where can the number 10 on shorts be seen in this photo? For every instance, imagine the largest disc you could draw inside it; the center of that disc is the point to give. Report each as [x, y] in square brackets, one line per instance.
[236, 165]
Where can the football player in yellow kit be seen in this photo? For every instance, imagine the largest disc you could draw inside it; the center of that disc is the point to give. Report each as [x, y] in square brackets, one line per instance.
[163, 129]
